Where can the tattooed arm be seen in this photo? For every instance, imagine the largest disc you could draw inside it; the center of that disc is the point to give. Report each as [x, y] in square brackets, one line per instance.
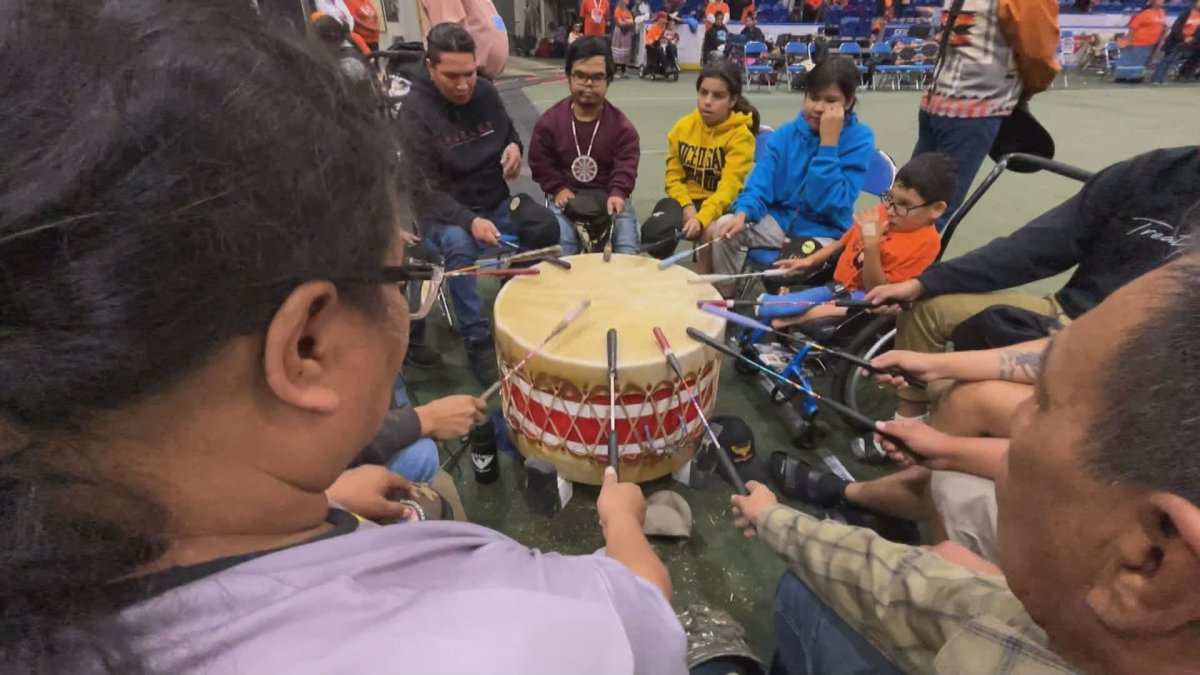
[1018, 363]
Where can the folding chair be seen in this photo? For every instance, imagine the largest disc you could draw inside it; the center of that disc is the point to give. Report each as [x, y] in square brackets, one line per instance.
[794, 56]
[756, 66]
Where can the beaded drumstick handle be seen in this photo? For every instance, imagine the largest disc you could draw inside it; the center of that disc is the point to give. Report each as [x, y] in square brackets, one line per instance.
[723, 459]
[511, 272]
[562, 325]
[614, 457]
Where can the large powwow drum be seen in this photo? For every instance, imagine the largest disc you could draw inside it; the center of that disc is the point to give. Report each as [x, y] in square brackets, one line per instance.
[557, 405]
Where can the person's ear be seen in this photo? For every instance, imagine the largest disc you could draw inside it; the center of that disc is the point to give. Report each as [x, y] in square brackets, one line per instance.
[295, 351]
[1152, 585]
[938, 209]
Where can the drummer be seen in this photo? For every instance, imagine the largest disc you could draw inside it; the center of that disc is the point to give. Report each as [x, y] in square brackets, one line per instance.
[583, 142]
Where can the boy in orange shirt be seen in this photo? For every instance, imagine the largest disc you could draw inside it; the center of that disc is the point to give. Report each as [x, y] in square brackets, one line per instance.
[893, 242]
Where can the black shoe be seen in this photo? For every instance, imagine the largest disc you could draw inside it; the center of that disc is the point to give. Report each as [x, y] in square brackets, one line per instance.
[421, 356]
[895, 529]
[481, 357]
[797, 479]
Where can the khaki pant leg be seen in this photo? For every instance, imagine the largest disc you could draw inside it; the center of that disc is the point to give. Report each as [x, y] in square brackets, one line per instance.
[727, 253]
[967, 506]
[928, 326]
[444, 484]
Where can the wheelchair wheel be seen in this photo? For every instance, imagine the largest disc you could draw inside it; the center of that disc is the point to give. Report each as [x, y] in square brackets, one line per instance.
[863, 393]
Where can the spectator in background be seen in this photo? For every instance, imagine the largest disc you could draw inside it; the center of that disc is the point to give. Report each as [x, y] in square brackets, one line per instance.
[482, 21]
[366, 22]
[594, 14]
[622, 37]
[710, 13]
[749, 10]
[1148, 26]
[751, 30]
[714, 39]
[575, 34]
[1181, 45]
[999, 55]
[336, 37]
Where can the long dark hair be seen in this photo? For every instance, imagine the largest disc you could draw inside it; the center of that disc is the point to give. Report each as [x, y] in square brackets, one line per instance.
[170, 172]
[725, 71]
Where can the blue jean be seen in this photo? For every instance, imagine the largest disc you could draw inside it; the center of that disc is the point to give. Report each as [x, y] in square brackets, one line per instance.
[965, 139]
[811, 638]
[459, 249]
[418, 462]
[814, 296]
[625, 231]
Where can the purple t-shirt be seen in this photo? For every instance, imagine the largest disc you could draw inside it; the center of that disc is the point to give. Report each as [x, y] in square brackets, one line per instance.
[431, 597]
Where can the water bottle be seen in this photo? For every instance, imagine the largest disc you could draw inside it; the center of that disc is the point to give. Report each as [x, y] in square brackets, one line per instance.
[482, 440]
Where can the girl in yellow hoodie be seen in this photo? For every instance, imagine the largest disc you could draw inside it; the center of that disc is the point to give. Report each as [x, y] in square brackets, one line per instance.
[711, 150]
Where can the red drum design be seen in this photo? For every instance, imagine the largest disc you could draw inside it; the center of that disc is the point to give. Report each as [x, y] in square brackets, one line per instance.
[557, 406]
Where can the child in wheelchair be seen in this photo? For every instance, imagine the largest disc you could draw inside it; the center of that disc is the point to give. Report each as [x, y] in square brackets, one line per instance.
[662, 55]
[893, 242]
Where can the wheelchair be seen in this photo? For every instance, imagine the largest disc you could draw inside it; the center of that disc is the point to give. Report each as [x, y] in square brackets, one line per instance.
[859, 333]
[662, 60]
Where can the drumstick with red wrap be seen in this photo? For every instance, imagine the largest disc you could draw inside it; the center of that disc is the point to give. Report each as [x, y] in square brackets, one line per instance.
[562, 325]
[722, 458]
[614, 456]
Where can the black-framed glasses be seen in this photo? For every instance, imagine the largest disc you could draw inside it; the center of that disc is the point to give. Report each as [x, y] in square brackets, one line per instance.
[901, 209]
[596, 79]
[419, 282]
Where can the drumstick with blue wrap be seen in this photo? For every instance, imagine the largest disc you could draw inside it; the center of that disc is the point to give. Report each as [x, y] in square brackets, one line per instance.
[614, 456]
[722, 457]
[742, 320]
[853, 416]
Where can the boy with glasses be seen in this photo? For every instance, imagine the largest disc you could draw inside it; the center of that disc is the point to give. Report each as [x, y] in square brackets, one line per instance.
[583, 142]
[893, 242]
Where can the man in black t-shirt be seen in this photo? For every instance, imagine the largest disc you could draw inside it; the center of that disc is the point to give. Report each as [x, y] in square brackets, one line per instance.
[1126, 221]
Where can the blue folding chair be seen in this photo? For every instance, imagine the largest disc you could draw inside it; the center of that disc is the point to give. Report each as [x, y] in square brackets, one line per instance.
[884, 71]
[855, 52]
[756, 68]
[793, 54]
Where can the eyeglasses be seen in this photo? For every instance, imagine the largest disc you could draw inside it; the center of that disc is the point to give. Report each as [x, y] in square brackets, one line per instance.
[901, 209]
[421, 294]
[595, 79]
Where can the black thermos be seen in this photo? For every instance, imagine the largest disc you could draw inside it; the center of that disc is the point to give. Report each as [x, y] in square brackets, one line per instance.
[483, 452]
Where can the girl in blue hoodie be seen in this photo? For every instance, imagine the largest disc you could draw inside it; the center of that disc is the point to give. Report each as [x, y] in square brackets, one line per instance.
[806, 181]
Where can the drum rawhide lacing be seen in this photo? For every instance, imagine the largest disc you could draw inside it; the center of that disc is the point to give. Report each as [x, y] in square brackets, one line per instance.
[663, 420]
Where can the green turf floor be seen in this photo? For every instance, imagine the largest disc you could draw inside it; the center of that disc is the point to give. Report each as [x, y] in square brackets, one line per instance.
[1094, 123]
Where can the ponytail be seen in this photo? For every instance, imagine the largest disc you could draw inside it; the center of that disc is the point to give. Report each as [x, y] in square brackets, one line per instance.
[744, 106]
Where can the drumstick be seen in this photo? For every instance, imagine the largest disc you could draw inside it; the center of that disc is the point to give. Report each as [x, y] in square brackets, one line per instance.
[546, 252]
[723, 459]
[730, 304]
[667, 262]
[509, 272]
[614, 457]
[562, 325]
[857, 418]
[746, 321]
[715, 278]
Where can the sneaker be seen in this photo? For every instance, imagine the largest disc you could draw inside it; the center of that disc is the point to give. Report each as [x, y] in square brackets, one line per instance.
[421, 356]
[481, 357]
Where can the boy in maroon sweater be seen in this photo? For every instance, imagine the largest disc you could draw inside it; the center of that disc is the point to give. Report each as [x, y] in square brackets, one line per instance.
[583, 142]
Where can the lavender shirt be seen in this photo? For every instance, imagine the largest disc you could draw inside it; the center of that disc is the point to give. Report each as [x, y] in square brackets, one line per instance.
[433, 597]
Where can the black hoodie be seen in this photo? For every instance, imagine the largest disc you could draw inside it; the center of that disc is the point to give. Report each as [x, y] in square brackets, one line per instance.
[1126, 221]
[457, 150]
